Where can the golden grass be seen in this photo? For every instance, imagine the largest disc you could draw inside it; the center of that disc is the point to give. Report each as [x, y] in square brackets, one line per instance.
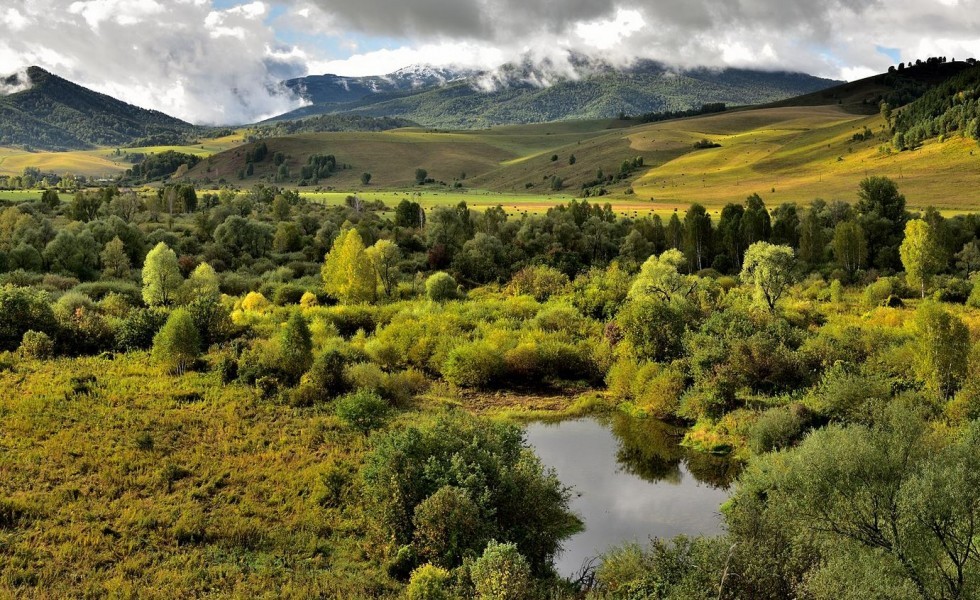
[137, 483]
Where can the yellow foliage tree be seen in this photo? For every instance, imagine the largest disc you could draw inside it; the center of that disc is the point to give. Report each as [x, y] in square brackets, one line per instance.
[348, 274]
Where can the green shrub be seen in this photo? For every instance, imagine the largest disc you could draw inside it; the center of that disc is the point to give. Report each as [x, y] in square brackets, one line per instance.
[777, 428]
[653, 328]
[877, 293]
[23, 310]
[502, 573]
[428, 582]
[178, 344]
[518, 500]
[441, 287]
[448, 527]
[539, 281]
[363, 410]
[845, 393]
[326, 375]
[475, 364]
[36, 345]
[137, 330]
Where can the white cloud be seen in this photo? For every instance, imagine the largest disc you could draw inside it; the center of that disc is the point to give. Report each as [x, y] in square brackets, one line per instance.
[182, 57]
[209, 65]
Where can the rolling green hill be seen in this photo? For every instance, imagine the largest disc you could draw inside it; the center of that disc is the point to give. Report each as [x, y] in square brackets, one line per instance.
[56, 114]
[794, 151]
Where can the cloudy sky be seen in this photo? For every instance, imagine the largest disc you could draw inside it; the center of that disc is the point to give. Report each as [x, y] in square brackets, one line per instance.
[220, 61]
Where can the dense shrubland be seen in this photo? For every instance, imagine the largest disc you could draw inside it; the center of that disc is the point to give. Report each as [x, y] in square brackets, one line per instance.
[238, 392]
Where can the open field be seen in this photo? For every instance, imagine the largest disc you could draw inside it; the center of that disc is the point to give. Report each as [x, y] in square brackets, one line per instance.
[785, 154]
[20, 195]
[514, 204]
[393, 156]
[805, 153]
[101, 162]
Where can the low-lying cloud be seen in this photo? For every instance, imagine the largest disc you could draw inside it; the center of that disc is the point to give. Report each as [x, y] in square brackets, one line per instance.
[224, 66]
[182, 57]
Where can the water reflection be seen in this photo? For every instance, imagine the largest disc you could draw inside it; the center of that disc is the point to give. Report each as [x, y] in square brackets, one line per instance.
[651, 449]
[632, 481]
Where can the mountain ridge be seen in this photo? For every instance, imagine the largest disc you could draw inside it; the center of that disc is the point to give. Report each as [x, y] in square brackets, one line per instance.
[53, 113]
[541, 92]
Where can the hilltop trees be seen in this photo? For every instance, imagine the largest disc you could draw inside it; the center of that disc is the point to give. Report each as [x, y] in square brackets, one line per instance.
[161, 276]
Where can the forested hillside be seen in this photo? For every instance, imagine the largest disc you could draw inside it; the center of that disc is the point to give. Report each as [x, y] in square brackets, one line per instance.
[950, 108]
[516, 95]
[56, 114]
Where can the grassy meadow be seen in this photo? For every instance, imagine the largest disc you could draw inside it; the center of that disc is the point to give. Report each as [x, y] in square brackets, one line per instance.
[100, 162]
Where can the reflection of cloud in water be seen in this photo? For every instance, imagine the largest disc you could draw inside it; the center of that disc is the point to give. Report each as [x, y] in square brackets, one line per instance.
[615, 502]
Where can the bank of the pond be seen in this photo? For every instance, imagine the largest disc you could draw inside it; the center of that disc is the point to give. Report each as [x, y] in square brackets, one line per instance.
[632, 480]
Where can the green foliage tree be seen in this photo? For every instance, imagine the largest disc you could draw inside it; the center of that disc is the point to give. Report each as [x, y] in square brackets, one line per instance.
[943, 349]
[288, 238]
[73, 254]
[347, 272]
[756, 223]
[177, 345]
[654, 328]
[421, 175]
[203, 283]
[115, 261]
[441, 287]
[813, 240]
[384, 256]
[161, 276]
[447, 527]
[409, 214]
[23, 310]
[850, 246]
[920, 254]
[659, 278]
[882, 216]
[868, 508]
[85, 206]
[428, 582]
[363, 410]
[697, 237]
[365, 178]
[50, 198]
[502, 573]
[296, 347]
[518, 500]
[770, 270]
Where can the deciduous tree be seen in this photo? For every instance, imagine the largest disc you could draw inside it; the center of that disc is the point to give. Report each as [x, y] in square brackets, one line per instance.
[347, 271]
[161, 276]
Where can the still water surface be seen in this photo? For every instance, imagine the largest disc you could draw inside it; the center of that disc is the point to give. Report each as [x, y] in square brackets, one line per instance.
[631, 481]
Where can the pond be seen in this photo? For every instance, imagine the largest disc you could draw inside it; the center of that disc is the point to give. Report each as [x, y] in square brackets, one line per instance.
[631, 481]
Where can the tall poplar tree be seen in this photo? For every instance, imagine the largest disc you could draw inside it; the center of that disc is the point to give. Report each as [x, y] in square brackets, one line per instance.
[348, 274]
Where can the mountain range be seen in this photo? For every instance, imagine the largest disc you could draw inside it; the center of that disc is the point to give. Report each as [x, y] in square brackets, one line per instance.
[539, 92]
[47, 112]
